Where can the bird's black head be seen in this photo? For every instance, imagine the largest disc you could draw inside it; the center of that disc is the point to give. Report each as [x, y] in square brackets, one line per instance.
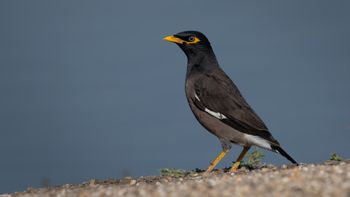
[193, 43]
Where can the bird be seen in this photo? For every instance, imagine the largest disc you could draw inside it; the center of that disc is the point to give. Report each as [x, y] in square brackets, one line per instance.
[217, 103]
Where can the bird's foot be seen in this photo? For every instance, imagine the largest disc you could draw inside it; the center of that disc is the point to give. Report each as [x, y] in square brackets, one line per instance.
[209, 169]
[235, 166]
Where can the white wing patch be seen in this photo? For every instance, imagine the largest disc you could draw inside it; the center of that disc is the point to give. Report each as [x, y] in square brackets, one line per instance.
[256, 140]
[196, 96]
[213, 113]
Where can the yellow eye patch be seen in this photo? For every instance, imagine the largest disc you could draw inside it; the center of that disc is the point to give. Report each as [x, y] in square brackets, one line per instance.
[181, 41]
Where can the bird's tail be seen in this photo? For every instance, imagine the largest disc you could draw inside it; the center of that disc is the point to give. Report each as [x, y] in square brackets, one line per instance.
[280, 150]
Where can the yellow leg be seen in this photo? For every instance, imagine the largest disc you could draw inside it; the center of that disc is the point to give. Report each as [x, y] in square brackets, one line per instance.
[217, 160]
[239, 159]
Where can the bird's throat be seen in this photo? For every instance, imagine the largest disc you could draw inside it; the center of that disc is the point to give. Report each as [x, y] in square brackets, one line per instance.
[201, 64]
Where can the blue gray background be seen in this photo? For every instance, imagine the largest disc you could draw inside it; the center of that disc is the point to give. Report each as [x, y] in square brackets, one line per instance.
[89, 90]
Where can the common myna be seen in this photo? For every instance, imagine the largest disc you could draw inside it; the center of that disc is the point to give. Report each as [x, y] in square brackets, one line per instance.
[217, 103]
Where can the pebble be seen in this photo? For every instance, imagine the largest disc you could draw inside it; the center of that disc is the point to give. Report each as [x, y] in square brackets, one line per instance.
[194, 174]
[211, 182]
[132, 182]
[92, 182]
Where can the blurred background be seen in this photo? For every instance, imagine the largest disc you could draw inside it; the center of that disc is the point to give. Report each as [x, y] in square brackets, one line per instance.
[89, 90]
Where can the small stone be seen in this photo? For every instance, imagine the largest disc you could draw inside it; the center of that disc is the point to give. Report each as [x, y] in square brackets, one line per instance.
[67, 185]
[92, 182]
[125, 180]
[264, 169]
[132, 182]
[211, 183]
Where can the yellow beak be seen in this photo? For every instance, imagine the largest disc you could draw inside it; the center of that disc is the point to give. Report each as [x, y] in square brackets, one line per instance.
[173, 39]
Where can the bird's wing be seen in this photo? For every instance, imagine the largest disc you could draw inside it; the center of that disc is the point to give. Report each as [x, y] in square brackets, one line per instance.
[217, 95]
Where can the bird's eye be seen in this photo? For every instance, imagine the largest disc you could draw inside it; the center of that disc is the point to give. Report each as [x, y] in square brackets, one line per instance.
[191, 38]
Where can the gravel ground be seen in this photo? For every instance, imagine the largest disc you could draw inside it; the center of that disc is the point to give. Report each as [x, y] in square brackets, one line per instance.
[329, 179]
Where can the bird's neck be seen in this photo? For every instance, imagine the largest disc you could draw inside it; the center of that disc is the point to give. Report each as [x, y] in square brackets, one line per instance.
[201, 62]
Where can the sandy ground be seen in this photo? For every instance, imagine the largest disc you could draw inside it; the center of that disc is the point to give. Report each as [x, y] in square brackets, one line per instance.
[328, 179]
